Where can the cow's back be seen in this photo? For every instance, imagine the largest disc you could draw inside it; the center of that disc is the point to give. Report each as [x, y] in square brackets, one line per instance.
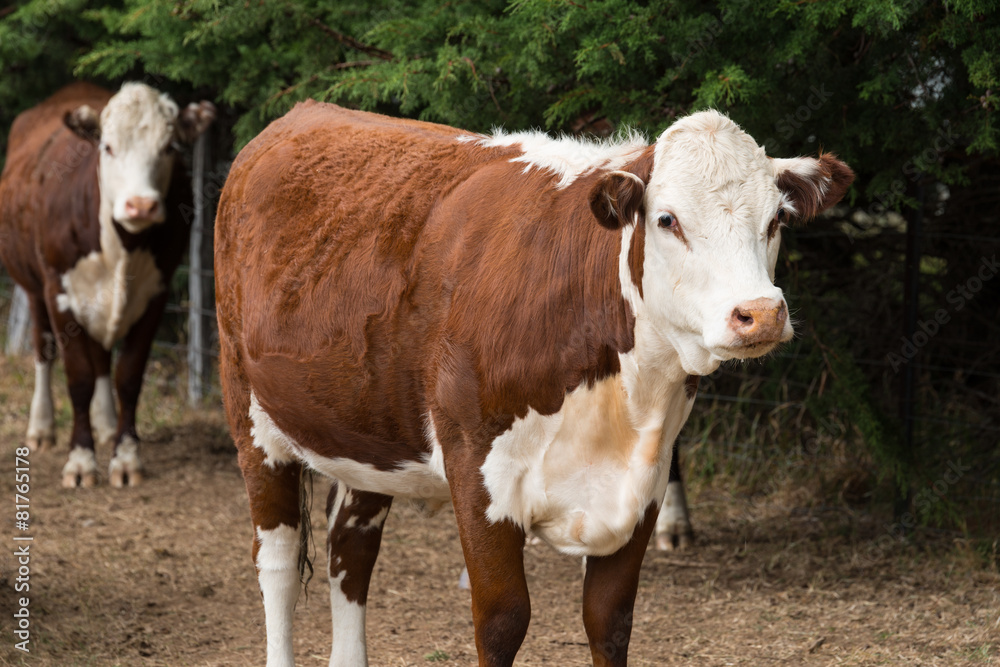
[50, 174]
[327, 204]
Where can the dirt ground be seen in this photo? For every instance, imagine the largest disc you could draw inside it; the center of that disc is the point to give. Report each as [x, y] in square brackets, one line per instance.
[161, 574]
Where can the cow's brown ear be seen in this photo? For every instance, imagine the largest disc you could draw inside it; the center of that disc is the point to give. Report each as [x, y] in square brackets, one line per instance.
[617, 198]
[84, 122]
[194, 120]
[812, 185]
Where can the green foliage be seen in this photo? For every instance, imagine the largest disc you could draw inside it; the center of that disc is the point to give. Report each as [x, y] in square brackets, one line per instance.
[905, 91]
[877, 81]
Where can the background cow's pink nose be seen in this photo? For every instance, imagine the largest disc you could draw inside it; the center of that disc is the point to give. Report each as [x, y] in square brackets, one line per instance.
[759, 321]
[140, 208]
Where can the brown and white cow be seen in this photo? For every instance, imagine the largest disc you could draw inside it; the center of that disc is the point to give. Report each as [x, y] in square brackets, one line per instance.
[90, 227]
[512, 322]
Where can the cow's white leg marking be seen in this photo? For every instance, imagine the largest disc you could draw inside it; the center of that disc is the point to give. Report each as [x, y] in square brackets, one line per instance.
[278, 577]
[41, 423]
[348, 647]
[81, 464]
[103, 419]
[125, 464]
[673, 519]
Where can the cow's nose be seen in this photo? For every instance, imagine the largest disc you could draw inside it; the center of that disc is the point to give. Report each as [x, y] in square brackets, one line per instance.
[759, 321]
[140, 208]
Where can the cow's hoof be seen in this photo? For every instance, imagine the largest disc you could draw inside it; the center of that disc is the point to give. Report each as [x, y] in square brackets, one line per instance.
[125, 469]
[677, 537]
[121, 478]
[80, 470]
[84, 481]
[40, 443]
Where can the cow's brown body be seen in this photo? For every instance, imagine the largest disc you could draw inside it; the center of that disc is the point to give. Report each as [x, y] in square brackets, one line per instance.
[393, 309]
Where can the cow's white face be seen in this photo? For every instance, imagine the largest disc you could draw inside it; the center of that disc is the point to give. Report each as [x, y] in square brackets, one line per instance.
[711, 211]
[138, 134]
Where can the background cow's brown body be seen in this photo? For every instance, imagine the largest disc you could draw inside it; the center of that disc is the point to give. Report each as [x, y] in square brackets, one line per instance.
[50, 220]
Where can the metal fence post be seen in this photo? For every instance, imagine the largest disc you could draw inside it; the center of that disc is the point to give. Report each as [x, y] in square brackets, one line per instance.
[199, 364]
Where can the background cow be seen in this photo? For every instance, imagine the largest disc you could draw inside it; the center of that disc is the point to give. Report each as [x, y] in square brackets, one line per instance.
[512, 322]
[90, 227]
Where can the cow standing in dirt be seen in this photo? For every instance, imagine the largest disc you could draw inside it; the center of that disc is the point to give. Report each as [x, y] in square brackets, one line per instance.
[512, 322]
[91, 227]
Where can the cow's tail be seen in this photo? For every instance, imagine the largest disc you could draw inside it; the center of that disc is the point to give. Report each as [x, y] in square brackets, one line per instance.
[307, 545]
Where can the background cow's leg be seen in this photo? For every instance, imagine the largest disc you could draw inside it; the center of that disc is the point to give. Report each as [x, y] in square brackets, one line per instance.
[125, 467]
[81, 356]
[355, 520]
[673, 526]
[103, 418]
[494, 557]
[41, 423]
[609, 589]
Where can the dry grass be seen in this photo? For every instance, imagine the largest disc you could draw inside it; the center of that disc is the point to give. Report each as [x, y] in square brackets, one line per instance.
[161, 575]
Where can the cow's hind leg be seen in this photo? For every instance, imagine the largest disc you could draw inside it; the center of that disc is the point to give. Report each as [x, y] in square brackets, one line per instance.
[125, 467]
[355, 520]
[274, 494]
[41, 422]
[673, 526]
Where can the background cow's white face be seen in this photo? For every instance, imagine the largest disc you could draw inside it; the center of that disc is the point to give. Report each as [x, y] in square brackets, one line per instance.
[138, 132]
[711, 207]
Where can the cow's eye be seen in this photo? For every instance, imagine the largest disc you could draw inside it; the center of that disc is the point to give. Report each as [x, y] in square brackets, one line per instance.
[781, 215]
[108, 151]
[668, 221]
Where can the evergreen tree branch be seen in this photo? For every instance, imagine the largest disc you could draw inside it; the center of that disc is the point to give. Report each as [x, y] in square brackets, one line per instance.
[349, 41]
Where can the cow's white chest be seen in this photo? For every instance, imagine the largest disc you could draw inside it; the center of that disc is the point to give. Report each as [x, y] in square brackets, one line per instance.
[583, 478]
[108, 290]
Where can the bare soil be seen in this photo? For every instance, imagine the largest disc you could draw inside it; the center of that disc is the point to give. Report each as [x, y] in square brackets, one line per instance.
[161, 574]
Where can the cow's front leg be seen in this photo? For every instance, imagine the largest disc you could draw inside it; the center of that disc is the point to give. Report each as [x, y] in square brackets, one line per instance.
[609, 589]
[355, 520]
[41, 422]
[673, 526]
[81, 356]
[125, 467]
[494, 557]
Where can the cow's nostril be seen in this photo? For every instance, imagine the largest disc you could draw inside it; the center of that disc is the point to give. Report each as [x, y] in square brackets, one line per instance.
[741, 318]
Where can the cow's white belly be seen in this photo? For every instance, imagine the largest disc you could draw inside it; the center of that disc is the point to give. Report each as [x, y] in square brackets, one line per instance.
[107, 292]
[582, 479]
[423, 479]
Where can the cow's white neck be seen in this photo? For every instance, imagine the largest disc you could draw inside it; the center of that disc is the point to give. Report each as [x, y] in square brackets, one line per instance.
[108, 289]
